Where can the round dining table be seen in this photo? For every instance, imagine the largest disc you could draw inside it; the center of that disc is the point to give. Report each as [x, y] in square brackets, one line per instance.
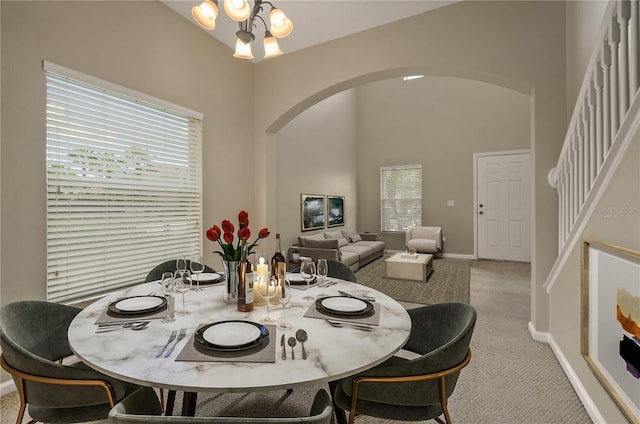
[332, 352]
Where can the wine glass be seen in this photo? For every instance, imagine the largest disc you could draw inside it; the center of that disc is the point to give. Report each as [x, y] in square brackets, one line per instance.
[323, 269]
[197, 267]
[183, 283]
[285, 296]
[181, 264]
[267, 287]
[168, 289]
[308, 273]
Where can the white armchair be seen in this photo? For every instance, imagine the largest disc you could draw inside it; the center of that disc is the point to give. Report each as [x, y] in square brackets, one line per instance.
[424, 239]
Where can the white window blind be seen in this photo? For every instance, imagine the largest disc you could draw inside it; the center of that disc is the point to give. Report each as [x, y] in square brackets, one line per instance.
[123, 186]
[400, 197]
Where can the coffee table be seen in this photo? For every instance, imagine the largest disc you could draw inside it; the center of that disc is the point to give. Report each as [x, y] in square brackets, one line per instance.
[415, 269]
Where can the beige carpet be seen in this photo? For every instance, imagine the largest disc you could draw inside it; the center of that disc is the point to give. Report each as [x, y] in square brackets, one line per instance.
[511, 378]
[449, 281]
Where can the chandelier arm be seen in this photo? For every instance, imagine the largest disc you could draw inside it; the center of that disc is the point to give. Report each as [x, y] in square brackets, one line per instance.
[263, 22]
[257, 7]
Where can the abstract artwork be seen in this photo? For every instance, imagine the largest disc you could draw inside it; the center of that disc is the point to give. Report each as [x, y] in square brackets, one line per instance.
[312, 211]
[335, 211]
[611, 321]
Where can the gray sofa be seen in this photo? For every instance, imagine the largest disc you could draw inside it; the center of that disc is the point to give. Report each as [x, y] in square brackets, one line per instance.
[345, 245]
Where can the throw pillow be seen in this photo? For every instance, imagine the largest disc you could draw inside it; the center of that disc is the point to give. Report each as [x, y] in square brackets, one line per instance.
[355, 238]
[348, 232]
[335, 234]
[318, 236]
[343, 242]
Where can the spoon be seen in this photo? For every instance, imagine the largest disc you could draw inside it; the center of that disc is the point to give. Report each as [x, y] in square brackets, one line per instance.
[292, 342]
[301, 335]
[140, 325]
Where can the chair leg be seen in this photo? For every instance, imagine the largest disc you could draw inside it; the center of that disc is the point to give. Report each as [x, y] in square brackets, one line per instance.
[162, 400]
[443, 399]
[23, 402]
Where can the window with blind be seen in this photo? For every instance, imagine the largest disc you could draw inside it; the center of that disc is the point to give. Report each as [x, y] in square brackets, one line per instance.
[400, 197]
[123, 184]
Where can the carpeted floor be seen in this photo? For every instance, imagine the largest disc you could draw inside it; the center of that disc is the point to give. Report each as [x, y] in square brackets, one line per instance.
[448, 282]
[511, 378]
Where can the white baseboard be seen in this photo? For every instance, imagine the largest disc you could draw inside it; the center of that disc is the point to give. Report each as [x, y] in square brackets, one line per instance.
[456, 256]
[7, 387]
[581, 391]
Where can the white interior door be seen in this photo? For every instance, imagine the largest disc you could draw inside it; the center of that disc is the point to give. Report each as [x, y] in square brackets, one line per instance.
[503, 207]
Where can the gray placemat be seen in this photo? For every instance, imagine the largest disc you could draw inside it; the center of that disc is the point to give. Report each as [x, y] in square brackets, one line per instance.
[105, 317]
[374, 319]
[192, 352]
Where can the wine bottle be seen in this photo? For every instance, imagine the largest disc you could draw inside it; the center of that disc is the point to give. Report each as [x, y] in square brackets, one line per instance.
[245, 280]
[278, 263]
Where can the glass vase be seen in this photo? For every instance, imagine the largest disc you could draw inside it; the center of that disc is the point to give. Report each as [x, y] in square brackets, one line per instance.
[231, 281]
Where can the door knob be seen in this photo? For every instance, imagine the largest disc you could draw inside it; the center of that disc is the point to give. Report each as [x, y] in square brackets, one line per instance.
[481, 205]
[480, 212]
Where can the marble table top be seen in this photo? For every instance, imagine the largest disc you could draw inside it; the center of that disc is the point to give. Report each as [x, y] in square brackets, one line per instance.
[333, 353]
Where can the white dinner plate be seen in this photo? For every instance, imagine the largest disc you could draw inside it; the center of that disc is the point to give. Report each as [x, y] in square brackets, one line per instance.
[138, 303]
[208, 276]
[295, 277]
[344, 304]
[232, 333]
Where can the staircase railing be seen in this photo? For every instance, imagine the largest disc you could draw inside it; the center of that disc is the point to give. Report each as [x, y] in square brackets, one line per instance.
[604, 118]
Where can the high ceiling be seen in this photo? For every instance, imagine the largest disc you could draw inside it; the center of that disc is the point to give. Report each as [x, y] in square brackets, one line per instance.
[316, 21]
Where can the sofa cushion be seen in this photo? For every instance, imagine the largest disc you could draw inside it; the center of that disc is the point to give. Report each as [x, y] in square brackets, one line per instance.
[337, 235]
[349, 258]
[355, 238]
[376, 246]
[319, 244]
[363, 251]
[301, 239]
[348, 232]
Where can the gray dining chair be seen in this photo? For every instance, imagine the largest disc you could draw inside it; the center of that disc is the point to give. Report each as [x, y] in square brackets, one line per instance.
[34, 342]
[339, 270]
[168, 266]
[415, 389]
[139, 407]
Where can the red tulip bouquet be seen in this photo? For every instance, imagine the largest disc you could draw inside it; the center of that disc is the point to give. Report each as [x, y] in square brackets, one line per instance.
[229, 252]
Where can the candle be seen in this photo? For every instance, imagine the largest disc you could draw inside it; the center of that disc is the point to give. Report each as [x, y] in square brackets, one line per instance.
[262, 279]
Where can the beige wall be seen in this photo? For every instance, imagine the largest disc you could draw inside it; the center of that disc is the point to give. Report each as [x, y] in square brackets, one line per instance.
[439, 123]
[316, 154]
[583, 22]
[144, 46]
[487, 41]
[610, 226]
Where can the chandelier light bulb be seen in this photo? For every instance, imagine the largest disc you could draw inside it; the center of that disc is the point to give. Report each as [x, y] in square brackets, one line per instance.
[238, 10]
[243, 50]
[271, 47]
[281, 26]
[205, 14]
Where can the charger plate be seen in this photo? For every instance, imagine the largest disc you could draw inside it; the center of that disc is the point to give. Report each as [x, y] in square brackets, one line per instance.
[231, 335]
[136, 305]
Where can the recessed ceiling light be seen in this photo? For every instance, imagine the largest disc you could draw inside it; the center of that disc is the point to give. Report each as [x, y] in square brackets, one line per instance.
[412, 77]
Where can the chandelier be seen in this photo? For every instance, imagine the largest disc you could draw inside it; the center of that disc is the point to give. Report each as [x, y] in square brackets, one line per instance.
[239, 10]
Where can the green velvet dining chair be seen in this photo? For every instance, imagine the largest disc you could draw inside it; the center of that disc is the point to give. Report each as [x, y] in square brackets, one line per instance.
[139, 407]
[415, 389]
[34, 342]
[341, 271]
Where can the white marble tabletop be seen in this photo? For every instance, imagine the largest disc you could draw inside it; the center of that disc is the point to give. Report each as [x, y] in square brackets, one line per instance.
[333, 353]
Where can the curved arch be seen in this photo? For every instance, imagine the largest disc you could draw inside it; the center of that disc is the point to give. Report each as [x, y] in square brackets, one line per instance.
[298, 108]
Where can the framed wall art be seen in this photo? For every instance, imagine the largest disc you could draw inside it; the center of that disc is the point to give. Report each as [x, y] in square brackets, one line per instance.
[312, 211]
[610, 341]
[335, 211]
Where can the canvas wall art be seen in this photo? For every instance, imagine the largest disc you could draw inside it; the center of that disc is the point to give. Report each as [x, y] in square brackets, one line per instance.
[611, 321]
[312, 211]
[335, 211]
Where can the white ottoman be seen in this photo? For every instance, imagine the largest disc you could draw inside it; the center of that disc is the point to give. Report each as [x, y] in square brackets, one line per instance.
[416, 269]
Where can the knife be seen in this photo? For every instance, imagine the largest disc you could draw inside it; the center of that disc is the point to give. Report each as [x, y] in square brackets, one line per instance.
[284, 349]
[367, 298]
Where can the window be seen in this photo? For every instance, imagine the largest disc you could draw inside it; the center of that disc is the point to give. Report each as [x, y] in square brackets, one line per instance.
[123, 184]
[400, 197]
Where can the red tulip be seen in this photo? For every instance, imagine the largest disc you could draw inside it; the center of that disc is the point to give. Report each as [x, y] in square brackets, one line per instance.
[228, 237]
[264, 233]
[244, 233]
[227, 226]
[213, 233]
[243, 219]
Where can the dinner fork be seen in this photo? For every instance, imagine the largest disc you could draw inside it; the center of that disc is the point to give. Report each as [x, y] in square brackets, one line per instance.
[172, 336]
[357, 326]
[183, 332]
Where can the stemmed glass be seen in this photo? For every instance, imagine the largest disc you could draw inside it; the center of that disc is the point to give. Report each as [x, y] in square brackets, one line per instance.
[323, 269]
[285, 296]
[267, 287]
[197, 267]
[181, 265]
[168, 289]
[183, 283]
[308, 273]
